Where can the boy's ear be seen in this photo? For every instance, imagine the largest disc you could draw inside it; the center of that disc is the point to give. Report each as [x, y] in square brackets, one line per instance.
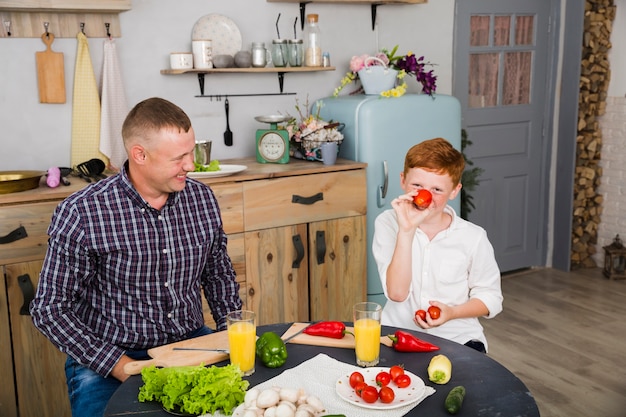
[456, 191]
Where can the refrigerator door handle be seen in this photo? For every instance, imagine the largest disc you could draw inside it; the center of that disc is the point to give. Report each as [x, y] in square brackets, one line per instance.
[382, 191]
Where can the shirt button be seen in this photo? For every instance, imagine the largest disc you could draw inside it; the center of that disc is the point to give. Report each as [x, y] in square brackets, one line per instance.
[160, 217]
[167, 284]
[164, 250]
[169, 315]
[143, 210]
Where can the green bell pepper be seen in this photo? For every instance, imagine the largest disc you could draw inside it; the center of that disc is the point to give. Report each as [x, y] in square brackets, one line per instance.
[271, 349]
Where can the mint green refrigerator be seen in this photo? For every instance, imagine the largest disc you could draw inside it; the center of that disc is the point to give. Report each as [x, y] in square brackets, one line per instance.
[379, 131]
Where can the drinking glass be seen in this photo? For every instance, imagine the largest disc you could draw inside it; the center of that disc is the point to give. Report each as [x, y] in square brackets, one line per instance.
[242, 339]
[367, 317]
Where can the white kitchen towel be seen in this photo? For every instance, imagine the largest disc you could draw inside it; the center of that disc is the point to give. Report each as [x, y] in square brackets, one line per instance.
[85, 107]
[114, 107]
[319, 375]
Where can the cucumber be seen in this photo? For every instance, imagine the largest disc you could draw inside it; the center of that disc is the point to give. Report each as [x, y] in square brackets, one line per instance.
[454, 400]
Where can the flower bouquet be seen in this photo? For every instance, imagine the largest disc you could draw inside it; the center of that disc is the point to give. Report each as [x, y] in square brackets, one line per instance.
[309, 133]
[362, 67]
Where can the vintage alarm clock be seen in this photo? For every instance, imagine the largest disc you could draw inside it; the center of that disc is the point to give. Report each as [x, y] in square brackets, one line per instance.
[272, 145]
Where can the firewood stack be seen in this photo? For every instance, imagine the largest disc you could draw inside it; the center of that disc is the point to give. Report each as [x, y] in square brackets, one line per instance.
[594, 83]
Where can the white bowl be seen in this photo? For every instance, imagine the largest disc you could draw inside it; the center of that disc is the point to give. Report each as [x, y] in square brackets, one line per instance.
[181, 60]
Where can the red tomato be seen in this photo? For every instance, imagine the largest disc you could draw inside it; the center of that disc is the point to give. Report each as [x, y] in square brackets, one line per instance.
[422, 199]
[386, 395]
[356, 377]
[359, 387]
[395, 371]
[421, 314]
[370, 394]
[383, 379]
[403, 381]
[434, 312]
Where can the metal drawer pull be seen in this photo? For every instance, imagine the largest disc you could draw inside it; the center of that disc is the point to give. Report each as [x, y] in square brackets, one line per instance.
[299, 247]
[17, 234]
[320, 246]
[307, 200]
[28, 291]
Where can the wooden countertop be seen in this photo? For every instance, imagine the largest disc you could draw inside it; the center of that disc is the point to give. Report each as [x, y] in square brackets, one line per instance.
[255, 171]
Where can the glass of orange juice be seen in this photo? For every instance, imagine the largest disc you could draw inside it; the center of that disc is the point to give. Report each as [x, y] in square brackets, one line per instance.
[367, 317]
[242, 339]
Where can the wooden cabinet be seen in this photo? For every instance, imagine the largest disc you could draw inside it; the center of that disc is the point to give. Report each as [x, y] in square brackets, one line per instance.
[296, 237]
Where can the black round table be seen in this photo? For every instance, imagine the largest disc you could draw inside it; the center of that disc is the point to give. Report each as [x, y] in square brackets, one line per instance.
[492, 390]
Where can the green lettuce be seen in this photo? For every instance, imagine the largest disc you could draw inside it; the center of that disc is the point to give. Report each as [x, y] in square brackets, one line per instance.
[194, 389]
[214, 165]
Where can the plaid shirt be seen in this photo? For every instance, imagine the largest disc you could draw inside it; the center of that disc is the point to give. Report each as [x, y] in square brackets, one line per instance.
[120, 275]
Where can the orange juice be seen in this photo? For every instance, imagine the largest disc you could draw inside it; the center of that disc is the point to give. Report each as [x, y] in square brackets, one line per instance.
[367, 341]
[242, 344]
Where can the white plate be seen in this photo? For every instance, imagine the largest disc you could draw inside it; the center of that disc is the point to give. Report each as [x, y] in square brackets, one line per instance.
[224, 171]
[404, 396]
[224, 34]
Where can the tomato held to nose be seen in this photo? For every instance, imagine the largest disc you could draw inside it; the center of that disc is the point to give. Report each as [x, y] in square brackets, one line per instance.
[434, 312]
[422, 199]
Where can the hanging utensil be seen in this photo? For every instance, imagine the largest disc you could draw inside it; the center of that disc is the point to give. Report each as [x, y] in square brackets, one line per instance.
[228, 135]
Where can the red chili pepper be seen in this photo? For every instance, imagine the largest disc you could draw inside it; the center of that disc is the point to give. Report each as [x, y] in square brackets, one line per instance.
[334, 329]
[406, 342]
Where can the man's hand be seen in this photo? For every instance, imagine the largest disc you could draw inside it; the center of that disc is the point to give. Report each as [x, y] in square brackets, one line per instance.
[118, 370]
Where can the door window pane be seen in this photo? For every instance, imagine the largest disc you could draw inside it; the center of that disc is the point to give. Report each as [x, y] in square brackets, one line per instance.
[524, 30]
[516, 83]
[483, 82]
[502, 30]
[479, 28]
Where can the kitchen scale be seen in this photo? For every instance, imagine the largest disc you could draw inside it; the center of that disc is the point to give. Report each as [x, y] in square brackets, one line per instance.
[272, 145]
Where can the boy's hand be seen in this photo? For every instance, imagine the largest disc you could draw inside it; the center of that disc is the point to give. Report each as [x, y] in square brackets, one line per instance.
[409, 216]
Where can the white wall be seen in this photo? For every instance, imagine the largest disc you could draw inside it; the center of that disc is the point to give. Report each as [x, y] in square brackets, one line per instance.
[37, 136]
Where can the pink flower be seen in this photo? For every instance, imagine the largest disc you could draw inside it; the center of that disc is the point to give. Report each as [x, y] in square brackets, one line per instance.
[357, 63]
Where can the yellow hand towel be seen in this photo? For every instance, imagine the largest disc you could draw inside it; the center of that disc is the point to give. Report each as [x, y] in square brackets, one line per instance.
[85, 107]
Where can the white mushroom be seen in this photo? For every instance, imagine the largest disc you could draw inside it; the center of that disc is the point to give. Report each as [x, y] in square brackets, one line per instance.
[267, 398]
[284, 410]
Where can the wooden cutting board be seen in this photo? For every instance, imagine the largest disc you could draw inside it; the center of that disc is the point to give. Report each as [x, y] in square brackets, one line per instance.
[50, 73]
[346, 342]
[165, 356]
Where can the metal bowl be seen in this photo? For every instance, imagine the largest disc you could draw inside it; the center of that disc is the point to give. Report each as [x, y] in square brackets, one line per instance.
[274, 118]
[14, 181]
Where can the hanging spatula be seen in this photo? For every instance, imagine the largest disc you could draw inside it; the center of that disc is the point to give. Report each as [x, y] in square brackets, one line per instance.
[228, 135]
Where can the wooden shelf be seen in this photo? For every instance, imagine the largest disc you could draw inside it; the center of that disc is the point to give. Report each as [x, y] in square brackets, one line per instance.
[280, 71]
[373, 3]
[245, 70]
[26, 18]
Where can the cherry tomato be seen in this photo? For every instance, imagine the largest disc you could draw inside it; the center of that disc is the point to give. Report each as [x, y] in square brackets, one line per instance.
[421, 314]
[383, 379]
[386, 395]
[403, 381]
[422, 199]
[434, 312]
[395, 371]
[356, 377]
[370, 394]
[359, 387]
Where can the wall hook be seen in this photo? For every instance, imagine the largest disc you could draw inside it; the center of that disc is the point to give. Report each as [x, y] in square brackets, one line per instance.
[7, 27]
[82, 27]
[108, 26]
[45, 26]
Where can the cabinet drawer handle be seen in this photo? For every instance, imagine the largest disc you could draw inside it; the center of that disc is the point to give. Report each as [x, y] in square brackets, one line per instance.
[28, 290]
[297, 199]
[17, 234]
[299, 247]
[320, 246]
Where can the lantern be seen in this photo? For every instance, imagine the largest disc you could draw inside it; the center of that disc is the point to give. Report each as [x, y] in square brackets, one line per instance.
[615, 259]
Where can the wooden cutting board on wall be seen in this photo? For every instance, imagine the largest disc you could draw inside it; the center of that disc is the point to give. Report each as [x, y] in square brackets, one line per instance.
[50, 73]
